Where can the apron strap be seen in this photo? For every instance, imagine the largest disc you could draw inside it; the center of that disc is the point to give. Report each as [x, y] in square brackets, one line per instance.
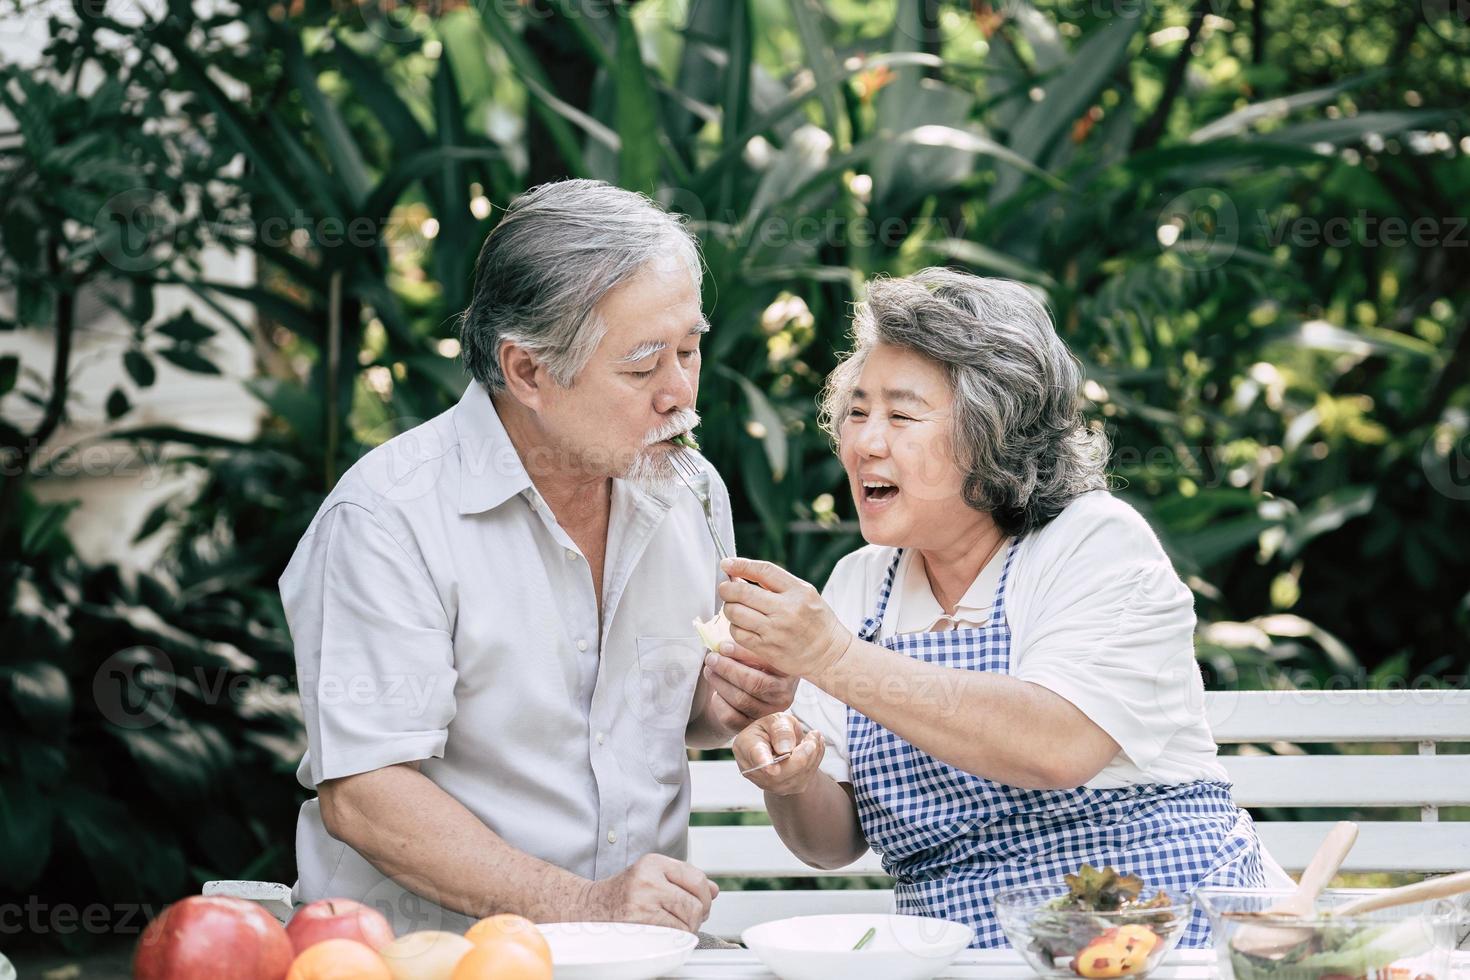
[870, 626]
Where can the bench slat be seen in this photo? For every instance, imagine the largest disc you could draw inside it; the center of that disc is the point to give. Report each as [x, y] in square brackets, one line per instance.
[744, 852]
[757, 852]
[1350, 780]
[1382, 845]
[1276, 781]
[1339, 716]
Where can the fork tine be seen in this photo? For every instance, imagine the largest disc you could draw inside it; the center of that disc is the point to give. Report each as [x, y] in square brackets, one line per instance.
[687, 468]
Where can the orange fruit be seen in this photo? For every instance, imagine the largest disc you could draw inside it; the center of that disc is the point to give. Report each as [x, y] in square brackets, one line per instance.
[502, 959]
[513, 927]
[338, 959]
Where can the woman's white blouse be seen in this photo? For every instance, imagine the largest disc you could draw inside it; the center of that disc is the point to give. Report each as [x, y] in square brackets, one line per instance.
[1097, 614]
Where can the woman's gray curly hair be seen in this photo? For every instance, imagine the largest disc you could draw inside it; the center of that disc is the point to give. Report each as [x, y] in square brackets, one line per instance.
[1017, 426]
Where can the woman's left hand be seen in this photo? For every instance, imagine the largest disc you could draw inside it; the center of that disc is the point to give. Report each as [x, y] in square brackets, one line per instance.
[779, 620]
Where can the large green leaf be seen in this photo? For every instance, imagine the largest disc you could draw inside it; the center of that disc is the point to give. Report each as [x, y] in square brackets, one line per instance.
[1325, 336]
[1241, 120]
[764, 414]
[165, 433]
[637, 114]
[287, 400]
[347, 162]
[984, 257]
[139, 368]
[544, 104]
[374, 87]
[232, 122]
[1069, 91]
[446, 372]
[9, 371]
[40, 694]
[25, 832]
[418, 166]
[810, 17]
[1326, 514]
[734, 138]
[1352, 129]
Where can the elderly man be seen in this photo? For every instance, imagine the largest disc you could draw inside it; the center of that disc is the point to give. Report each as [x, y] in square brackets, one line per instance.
[492, 613]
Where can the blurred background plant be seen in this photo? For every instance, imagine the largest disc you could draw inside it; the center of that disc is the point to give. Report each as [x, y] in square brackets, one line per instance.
[1247, 217]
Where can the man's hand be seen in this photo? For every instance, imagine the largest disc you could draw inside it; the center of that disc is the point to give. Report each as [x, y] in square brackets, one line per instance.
[775, 735]
[656, 890]
[741, 694]
[779, 621]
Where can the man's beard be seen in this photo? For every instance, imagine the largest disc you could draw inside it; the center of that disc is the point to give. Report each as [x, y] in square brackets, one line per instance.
[652, 469]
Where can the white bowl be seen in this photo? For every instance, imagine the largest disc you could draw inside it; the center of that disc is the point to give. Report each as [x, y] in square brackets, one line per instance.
[615, 950]
[819, 947]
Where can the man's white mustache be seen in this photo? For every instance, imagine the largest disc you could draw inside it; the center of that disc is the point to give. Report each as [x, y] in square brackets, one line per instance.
[686, 420]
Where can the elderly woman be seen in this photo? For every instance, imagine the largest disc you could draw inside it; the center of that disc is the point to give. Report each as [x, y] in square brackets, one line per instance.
[1001, 686]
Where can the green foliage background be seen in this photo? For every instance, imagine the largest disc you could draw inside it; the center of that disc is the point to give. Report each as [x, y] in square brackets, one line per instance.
[1204, 191]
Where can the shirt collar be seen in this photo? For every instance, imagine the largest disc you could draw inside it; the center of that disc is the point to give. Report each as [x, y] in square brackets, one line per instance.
[490, 469]
[917, 611]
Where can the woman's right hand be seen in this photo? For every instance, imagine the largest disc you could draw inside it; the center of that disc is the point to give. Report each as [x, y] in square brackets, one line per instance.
[764, 739]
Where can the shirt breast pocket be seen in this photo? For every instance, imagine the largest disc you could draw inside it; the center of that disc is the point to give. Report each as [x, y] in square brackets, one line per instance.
[662, 694]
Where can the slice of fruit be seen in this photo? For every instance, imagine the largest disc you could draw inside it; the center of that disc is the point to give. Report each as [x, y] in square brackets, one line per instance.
[714, 632]
[427, 955]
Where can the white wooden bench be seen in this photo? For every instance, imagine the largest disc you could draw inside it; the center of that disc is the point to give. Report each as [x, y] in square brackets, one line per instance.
[1421, 777]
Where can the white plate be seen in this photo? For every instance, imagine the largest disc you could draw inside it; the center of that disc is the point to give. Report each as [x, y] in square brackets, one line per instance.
[819, 947]
[615, 950]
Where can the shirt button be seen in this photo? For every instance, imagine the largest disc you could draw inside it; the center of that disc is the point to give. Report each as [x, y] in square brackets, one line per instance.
[581, 644]
[612, 836]
[572, 555]
[601, 737]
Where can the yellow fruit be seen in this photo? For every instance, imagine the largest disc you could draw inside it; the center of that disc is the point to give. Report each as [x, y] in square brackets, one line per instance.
[338, 959]
[502, 959]
[425, 955]
[1140, 938]
[512, 927]
[714, 632]
[1102, 962]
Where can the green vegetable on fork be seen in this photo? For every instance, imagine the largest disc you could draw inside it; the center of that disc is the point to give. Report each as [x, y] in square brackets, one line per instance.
[686, 440]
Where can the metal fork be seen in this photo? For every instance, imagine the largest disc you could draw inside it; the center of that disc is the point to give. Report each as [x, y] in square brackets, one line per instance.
[697, 480]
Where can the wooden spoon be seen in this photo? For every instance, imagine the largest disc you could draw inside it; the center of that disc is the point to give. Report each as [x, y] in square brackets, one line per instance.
[1271, 942]
[1422, 891]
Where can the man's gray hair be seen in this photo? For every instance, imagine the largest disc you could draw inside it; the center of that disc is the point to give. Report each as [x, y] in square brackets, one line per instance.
[558, 250]
[1017, 428]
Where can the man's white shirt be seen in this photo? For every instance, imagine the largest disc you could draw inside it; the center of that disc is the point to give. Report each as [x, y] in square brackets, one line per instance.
[440, 614]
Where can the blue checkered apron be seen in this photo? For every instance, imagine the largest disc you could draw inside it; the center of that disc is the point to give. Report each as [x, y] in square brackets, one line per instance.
[952, 839]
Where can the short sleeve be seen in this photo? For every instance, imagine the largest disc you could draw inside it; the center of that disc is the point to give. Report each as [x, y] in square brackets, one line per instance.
[821, 711]
[1112, 631]
[374, 651]
[845, 592]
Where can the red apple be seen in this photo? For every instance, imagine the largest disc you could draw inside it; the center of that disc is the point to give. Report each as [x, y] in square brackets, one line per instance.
[338, 918]
[213, 936]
